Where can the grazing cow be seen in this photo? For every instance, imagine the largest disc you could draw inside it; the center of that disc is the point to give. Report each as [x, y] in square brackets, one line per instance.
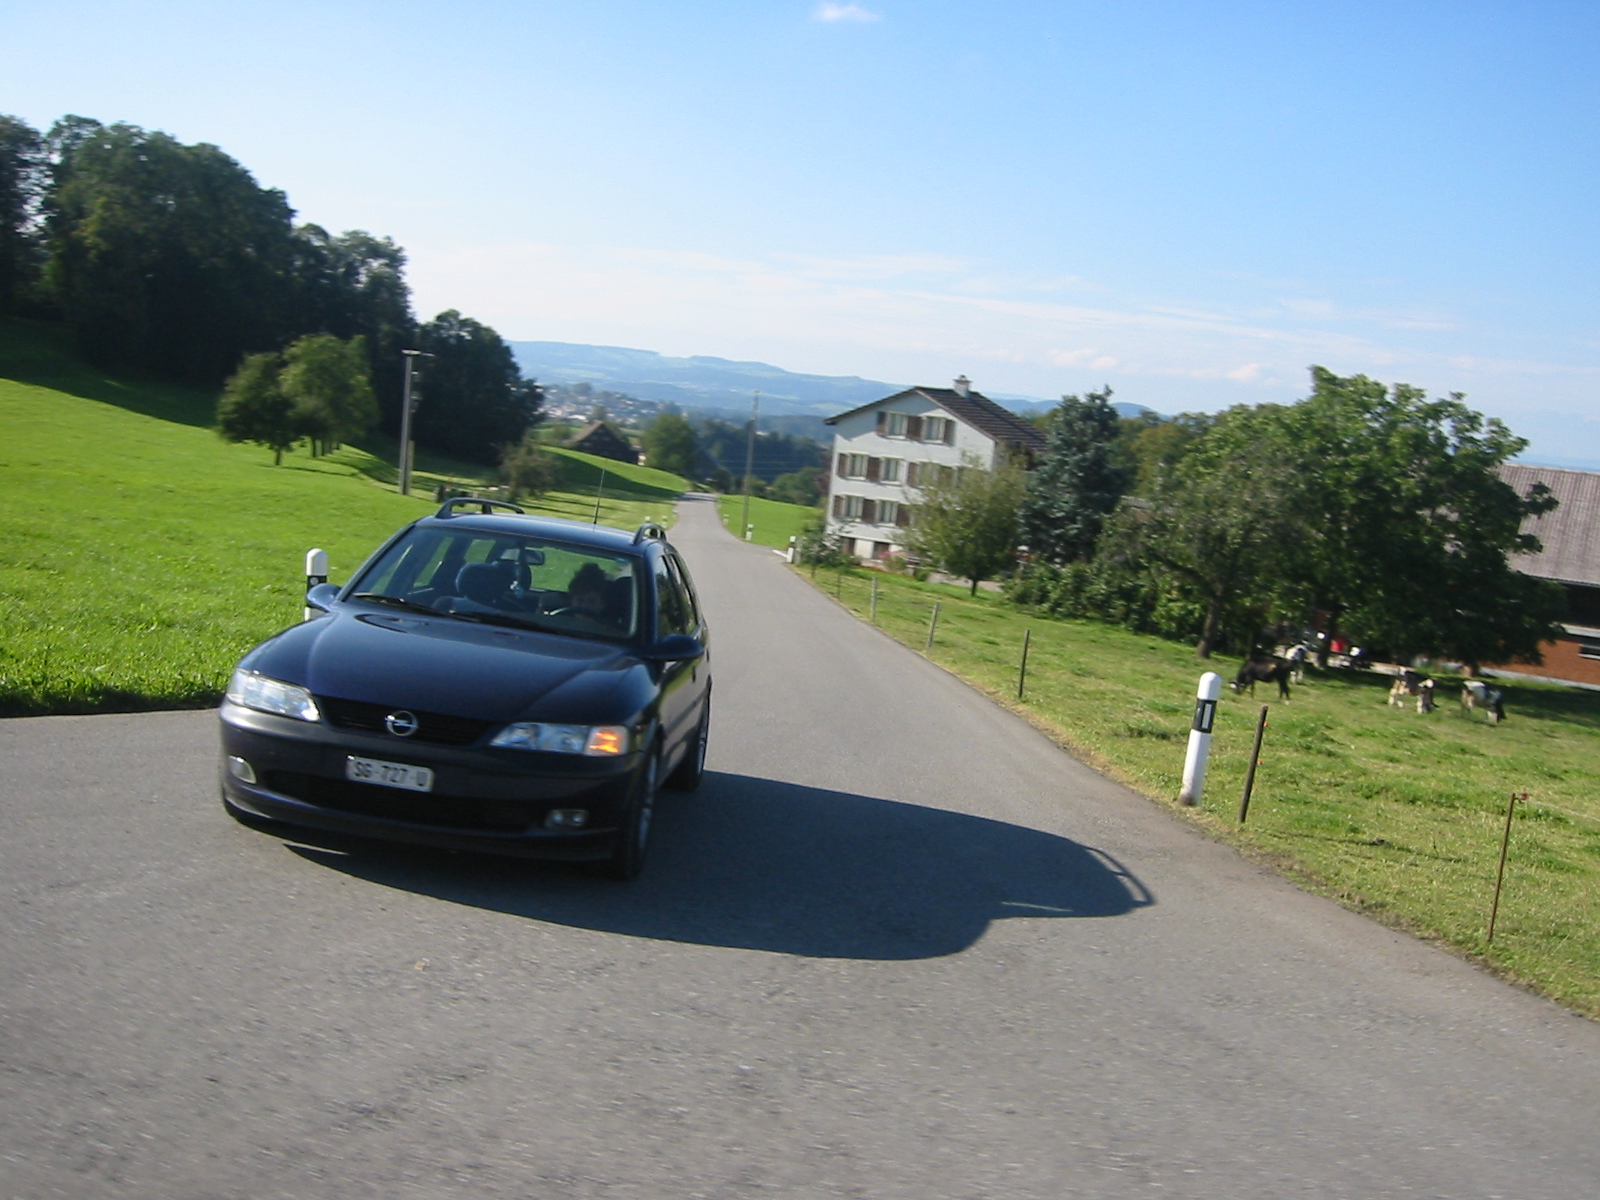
[1475, 693]
[1263, 670]
[1296, 658]
[1408, 684]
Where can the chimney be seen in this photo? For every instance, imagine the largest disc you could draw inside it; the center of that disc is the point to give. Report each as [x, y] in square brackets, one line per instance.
[963, 385]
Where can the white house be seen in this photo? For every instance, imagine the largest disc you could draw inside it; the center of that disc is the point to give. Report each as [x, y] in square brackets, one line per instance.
[885, 452]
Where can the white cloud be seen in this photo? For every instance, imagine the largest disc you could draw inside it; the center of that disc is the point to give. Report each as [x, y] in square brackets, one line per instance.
[828, 11]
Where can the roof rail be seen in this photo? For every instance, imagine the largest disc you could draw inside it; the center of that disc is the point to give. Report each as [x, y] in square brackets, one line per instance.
[448, 508]
[651, 530]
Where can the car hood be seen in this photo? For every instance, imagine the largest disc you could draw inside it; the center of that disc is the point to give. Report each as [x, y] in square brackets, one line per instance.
[442, 665]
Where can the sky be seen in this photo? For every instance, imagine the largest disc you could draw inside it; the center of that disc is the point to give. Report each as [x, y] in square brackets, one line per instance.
[1189, 202]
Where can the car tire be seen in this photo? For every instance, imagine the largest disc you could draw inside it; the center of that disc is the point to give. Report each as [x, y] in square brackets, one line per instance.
[692, 769]
[633, 833]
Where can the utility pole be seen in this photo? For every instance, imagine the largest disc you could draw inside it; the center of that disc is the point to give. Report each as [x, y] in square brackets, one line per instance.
[749, 464]
[405, 422]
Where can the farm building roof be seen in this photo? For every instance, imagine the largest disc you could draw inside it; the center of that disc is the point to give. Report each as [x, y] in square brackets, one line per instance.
[1571, 534]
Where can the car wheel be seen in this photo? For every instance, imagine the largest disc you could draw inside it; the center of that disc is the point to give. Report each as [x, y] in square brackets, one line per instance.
[633, 836]
[692, 769]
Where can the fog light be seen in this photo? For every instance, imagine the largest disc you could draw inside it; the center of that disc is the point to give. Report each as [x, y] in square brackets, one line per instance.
[239, 769]
[567, 818]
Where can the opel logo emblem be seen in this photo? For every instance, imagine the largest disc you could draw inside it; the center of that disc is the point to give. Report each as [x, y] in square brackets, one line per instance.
[401, 724]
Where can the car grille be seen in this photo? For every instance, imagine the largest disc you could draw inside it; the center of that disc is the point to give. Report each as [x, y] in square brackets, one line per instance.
[436, 728]
[392, 804]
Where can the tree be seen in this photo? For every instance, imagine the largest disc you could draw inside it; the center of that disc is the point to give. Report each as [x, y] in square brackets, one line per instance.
[22, 179]
[1405, 524]
[968, 526]
[670, 444]
[326, 380]
[529, 469]
[164, 257]
[353, 285]
[798, 487]
[474, 399]
[1217, 523]
[255, 408]
[1077, 481]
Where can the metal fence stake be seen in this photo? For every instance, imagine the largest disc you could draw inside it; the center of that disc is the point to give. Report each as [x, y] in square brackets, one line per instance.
[1022, 671]
[1255, 760]
[933, 624]
[1500, 876]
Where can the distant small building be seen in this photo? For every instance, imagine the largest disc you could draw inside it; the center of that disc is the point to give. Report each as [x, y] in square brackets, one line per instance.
[597, 437]
[1571, 557]
[886, 452]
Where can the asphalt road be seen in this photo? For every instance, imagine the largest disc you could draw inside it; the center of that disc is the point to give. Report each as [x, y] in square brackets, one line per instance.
[898, 946]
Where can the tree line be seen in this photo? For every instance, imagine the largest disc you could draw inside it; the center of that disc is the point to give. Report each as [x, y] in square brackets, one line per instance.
[170, 260]
[1369, 512]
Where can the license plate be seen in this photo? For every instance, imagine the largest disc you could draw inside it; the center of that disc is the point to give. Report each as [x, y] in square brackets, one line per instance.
[397, 775]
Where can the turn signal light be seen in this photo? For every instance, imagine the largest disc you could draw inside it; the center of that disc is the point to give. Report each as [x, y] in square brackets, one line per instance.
[607, 739]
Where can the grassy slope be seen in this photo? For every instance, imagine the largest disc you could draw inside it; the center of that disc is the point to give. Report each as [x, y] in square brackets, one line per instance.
[1393, 812]
[774, 522]
[140, 554]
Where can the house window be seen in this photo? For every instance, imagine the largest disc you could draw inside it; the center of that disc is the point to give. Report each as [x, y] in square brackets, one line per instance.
[890, 471]
[939, 429]
[852, 466]
[847, 508]
[1589, 649]
[893, 425]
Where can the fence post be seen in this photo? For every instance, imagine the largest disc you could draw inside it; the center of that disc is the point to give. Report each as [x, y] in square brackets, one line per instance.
[316, 572]
[1022, 671]
[1505, 844]
[1205, 716]
[874, 600]
[933, 625]
[1250, 771]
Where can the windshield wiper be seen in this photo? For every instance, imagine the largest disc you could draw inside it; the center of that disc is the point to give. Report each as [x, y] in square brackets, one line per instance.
[399, 602]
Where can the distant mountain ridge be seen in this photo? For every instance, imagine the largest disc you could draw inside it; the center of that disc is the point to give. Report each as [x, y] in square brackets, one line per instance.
[704, 382]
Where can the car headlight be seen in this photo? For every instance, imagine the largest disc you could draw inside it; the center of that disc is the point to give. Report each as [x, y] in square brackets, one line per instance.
[596, 741]
[249, 690]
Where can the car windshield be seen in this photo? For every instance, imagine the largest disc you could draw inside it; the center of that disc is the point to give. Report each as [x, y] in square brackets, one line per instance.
[504, 579]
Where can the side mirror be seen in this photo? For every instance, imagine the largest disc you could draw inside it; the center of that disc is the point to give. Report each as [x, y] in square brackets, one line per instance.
[675, 647]
[322, 596]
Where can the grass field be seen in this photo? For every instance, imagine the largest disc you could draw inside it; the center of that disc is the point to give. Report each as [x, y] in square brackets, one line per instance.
[1392, 812]
[773, 522]
[140, 555]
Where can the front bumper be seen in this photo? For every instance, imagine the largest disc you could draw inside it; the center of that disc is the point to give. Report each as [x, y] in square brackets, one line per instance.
[485, 800]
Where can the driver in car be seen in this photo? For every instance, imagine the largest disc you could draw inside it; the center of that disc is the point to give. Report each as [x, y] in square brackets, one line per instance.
[586, 599]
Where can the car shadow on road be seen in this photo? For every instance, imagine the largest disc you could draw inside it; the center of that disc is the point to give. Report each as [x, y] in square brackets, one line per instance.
[768, 865]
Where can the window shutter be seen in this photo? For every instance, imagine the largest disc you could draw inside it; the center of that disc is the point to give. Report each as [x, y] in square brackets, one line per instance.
[874, 469]
[902, 516]
[911, 474]
[838, 506]
[883, 419]
[869, 512]
[914, 428]
[949, 433]
[842, 460]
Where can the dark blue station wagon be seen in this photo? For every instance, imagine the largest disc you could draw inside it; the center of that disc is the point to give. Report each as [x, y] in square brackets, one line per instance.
[487, 681]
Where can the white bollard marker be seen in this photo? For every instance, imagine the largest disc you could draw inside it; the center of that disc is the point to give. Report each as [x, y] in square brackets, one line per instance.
[1205, 715]
[316, 572]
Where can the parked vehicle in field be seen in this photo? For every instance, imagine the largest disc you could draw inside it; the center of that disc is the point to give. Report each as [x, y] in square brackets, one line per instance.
[488, 680]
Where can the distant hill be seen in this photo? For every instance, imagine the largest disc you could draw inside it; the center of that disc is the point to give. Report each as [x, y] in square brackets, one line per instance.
[720, 384]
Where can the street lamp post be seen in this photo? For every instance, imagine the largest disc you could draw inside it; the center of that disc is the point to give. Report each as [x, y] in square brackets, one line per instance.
[405, 422]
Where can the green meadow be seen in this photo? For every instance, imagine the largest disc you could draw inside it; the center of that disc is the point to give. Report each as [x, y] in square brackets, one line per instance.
[1394, 813]
[772, 522]
[140, 555]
